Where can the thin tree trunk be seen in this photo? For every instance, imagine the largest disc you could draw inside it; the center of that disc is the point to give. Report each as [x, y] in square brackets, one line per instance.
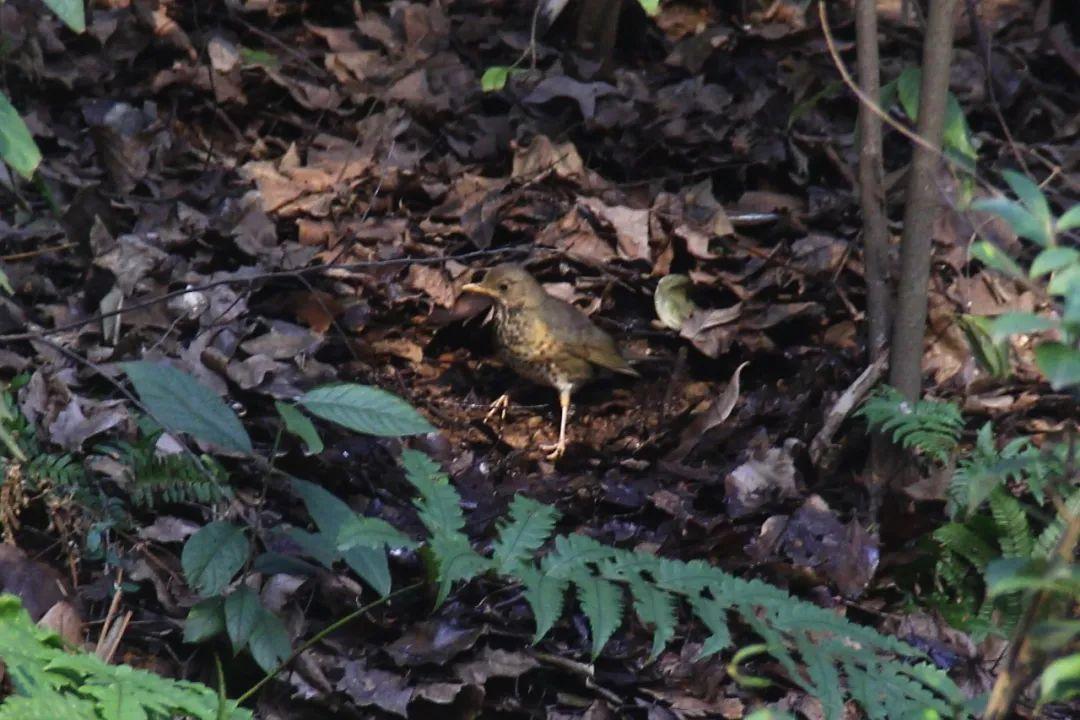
[922, 203]
[875, 225]
[871, 184]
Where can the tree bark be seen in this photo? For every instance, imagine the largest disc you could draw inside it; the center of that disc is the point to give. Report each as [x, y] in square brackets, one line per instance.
[922, 204]
[871, 183]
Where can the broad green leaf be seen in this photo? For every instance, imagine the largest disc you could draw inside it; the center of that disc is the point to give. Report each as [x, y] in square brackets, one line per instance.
[365, 409]
[331, 514]
[1064, 281]
[1070, 220]
[1020, 219]
[242, 611]
[205, 620]
[301, 426]
[1053, 258]
[907, 87]
[494, 78]
[1060, 681]
[370, 532]
[17, 146]
[957, 135]
[372, 567]
[1031, 195]
[183, 405]
[212, 556]
[993, 257]
[269, 641]
[70, 11]
[1059, 363]
[651, 7]
[1019, 323]
[315, 545]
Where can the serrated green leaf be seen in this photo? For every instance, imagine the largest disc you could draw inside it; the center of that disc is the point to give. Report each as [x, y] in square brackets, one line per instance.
[242, 610]
[183, 405]
[528, 528]
[205, 620]
[714, 616]
[365, 409]
[17, 146]
[301, 426]
[657, 608]
[545, 594]
[439, 504]
[1053, 258]
[1059, 363]
[602, 603]
[71, 12]
[993, 257]
[1019, 218]
[1070, 220]
[269, 641]
[212, 556]
[1019, 323]
[456, 561]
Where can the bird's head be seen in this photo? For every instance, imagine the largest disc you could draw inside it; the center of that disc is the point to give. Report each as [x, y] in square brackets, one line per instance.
[510, 286]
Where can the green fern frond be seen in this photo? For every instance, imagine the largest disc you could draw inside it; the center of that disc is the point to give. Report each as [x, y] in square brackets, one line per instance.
[528, 527]
[602, 603]
[930, 426]
[46, 679]
[1046, 543]
[1015, 536]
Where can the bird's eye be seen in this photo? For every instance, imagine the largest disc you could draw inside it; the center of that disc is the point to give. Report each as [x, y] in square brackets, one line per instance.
[503, 286]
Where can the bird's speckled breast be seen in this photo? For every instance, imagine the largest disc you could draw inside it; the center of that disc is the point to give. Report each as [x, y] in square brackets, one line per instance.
[530, 347]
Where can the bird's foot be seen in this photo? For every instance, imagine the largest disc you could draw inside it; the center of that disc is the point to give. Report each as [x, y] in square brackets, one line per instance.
[499, 408]
[554, 451]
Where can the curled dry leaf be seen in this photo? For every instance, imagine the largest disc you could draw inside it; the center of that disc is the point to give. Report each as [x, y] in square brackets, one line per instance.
[713, 417]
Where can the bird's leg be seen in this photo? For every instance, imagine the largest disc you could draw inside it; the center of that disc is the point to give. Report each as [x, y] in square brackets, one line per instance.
[557, 450]
[498, 407]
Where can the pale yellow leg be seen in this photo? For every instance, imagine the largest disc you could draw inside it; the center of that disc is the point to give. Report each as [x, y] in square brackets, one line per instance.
[499, 408]
[557, 450]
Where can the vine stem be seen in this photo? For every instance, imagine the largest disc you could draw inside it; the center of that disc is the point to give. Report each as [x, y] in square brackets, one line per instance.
[319, 636]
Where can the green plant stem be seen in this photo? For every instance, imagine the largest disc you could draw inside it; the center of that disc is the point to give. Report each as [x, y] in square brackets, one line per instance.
[319, 636]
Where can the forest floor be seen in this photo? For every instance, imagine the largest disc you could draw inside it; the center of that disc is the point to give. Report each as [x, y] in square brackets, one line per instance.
[323, 180]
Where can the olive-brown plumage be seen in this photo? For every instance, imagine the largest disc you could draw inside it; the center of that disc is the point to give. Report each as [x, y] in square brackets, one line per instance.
[545, 339]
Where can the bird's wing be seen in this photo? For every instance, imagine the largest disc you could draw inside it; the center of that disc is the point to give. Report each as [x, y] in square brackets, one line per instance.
[583, 339]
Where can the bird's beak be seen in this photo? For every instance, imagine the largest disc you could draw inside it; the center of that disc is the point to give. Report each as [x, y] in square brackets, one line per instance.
[478, 289]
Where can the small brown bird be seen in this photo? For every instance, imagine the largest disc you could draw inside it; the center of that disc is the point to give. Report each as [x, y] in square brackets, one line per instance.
[545, 339]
